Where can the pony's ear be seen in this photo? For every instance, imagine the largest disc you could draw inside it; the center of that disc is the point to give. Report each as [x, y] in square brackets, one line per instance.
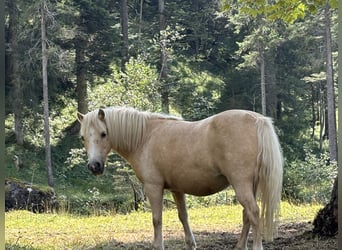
[80, 116]
[101, 114]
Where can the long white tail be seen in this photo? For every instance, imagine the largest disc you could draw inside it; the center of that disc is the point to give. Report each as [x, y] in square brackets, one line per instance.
[270, 176]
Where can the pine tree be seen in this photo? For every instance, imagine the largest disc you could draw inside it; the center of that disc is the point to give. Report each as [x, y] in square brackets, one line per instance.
[48, 163]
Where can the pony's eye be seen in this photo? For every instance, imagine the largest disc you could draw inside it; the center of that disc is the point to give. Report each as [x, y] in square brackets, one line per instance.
[82, 138]
[103, 135]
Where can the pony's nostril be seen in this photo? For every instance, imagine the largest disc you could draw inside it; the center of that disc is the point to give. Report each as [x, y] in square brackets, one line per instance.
[90, 166]
[95, 167]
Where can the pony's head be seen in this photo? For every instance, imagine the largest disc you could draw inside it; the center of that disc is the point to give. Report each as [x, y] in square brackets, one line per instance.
[94, 134]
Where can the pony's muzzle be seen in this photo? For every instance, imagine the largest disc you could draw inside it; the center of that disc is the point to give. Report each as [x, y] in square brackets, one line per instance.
[96, 167]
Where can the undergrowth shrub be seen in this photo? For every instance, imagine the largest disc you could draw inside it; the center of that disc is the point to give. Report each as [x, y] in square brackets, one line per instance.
[309, 180]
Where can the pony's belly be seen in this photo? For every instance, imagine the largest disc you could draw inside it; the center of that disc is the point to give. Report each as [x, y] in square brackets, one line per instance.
[200, 186]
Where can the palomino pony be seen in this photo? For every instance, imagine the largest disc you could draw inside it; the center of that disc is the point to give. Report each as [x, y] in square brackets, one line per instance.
[236, 147]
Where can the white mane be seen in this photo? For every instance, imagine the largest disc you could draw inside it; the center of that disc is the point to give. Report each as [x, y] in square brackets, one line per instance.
[126, 126]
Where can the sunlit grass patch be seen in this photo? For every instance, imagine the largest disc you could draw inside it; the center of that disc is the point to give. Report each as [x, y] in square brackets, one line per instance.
[26, 230]
[298, 213]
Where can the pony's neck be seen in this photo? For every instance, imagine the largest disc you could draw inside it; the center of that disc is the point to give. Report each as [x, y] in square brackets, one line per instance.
[126, 127]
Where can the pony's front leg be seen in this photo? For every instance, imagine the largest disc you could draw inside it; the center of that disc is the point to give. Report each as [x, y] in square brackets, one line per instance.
[154, 194]
[183, 217]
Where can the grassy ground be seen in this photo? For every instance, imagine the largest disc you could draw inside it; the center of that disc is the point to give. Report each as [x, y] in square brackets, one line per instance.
[214, 228]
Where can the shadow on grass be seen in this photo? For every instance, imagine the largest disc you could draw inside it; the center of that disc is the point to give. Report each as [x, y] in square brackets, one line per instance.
[18, 247]
[204, 240]
[293, 236]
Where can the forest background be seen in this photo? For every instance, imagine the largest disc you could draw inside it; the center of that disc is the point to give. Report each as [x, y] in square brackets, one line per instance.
[189, 58]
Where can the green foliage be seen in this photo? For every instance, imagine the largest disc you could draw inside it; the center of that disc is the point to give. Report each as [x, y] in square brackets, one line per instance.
[288, 11]
[31, 169]
[309, 180]
[89, 26]
[137, 87]
[76, 157]
[197, 92]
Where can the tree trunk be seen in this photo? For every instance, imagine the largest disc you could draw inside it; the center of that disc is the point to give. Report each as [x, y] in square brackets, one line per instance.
[163, 58]
[330, 88]
[262, 80]
[197, 41]
[14, 74]
[81, 81]
[124, 34]
[322, 120]
[46, 99]
[326, 221]
[272, 88]
[313, 111]
[140, 20]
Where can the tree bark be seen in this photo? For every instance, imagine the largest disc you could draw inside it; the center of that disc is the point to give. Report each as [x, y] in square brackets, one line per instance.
[46, 99]
[81, 80]
[326, 221]
[272, 108]
[322, 120]
[140, 20]
[14, 74]
[163, 58]
[330, 88]
[124, 34]
[196, 8]
[262, 80]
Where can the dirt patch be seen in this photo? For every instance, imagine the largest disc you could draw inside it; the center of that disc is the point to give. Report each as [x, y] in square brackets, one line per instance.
[292, 236]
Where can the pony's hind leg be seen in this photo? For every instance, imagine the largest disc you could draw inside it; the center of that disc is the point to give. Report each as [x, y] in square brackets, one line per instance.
[154, 194]
[247, 199]
[183, 217]
[242, 243]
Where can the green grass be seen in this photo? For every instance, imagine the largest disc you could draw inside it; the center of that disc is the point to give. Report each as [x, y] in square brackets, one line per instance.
[25, 230]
